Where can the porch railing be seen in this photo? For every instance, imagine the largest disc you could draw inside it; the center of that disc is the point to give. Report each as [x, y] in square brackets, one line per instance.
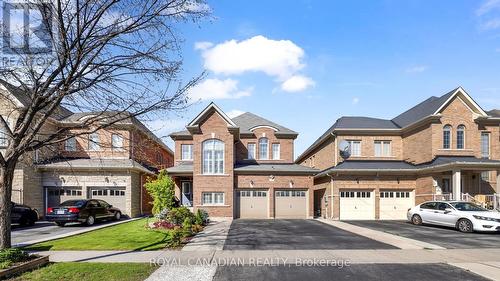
[489, 201]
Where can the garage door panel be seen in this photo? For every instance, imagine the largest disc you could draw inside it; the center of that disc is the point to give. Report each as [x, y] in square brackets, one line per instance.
[57, 195]
[112, 195]
[291, 204]
[252, 204]
[394, 204]
[357, 205]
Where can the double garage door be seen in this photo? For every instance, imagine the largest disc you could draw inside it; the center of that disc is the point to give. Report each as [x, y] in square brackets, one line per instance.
[113, 195]
[255, 204]
[360, 205]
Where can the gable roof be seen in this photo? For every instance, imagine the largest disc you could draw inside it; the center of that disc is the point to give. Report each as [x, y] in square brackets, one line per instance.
[245, 122]
[249, 121]
[429, 107]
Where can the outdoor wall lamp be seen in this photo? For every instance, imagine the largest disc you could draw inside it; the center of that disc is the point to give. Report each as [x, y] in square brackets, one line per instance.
[291, 183]
[251, 183]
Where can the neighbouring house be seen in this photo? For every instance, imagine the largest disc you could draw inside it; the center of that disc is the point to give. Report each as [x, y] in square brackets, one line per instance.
[111, 164]
[240, 167]
[445, 147]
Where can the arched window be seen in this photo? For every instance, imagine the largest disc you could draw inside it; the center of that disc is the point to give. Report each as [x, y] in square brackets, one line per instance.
[263, 148]
[447, 137]
[213, 157]
[461, 137]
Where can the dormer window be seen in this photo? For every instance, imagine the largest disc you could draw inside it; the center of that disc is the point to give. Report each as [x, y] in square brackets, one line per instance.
[461, 137]
[263, 149]
[447, 137]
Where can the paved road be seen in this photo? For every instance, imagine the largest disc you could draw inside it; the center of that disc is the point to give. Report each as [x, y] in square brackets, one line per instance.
[386, 272]
[294, 235]
[442, 236]
[44, 229]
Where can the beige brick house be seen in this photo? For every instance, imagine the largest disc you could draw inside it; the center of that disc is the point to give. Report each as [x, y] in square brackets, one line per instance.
[443, 148]
[110, 164]
[241, 167]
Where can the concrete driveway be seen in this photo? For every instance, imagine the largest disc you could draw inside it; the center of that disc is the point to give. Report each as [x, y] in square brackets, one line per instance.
[294, 235]
[442, 236]
[387, 272]
[46, 230]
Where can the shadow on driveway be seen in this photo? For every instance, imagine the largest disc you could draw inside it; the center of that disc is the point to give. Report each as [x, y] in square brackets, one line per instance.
[447, 237]
[294, 235]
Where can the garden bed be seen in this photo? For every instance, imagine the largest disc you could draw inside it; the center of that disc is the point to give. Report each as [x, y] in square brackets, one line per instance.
[16, 261]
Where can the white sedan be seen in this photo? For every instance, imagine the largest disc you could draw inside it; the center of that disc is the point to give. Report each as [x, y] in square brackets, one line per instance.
[465, 216]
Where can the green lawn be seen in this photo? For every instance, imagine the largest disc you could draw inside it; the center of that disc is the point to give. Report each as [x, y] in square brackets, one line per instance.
[78, 271]
[126, 236]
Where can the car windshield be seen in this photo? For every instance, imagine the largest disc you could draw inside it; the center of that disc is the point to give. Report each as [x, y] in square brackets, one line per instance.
[76, 203]
[466, 206]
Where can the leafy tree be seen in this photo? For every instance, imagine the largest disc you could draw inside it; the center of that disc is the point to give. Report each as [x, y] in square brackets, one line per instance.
[162, 191]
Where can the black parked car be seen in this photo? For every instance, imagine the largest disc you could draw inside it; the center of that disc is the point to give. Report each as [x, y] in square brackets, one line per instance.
[86, 211]
[22, 214]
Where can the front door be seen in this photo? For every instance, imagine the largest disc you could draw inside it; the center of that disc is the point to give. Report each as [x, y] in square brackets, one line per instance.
[187, 193]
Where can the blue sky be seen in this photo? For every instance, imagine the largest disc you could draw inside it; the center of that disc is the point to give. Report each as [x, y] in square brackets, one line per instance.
[303, 64]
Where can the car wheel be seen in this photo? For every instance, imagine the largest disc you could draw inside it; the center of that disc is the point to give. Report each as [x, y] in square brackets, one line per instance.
[416, 220]
[61, 224]
[118, 216]
[23, 221]
[465, 225]
[90, 220]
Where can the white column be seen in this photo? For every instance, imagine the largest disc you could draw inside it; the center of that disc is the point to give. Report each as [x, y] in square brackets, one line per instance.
[456, 185]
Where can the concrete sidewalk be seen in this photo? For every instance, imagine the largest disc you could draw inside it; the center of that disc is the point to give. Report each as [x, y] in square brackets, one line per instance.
[212, 238]
[387, 238]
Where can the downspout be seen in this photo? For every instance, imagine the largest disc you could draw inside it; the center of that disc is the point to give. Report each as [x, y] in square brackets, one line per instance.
[335, 158]
[141, 187]
[331, 196]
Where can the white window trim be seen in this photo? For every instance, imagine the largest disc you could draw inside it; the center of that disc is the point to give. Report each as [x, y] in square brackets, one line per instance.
[489, 144]
[279, 151]
[451, 138]
[267, 149]
[360, 148]
[117, 148]
[223, 159]
[464, 147]
[254, 151]
[191, 152]
[382, 150]
[212, 193]
[67, 147]
[90, 142]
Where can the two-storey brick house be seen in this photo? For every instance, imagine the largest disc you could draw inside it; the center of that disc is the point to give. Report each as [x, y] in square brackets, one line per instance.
[110, 164]
[241, 167]
[443, 148]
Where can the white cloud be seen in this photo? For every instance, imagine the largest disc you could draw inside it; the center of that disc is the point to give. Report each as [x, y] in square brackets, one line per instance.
[212, 89]
[490, 24]
[297, 83]
[355, 100]
[164, 126]
[416, 69]
[279, 58]
[488, 6]
[235, 112]
[203, 45]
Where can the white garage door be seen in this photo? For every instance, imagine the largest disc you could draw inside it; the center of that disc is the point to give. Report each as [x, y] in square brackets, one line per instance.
[395, 204]
[57, 195]
[112, 195]
[291, 204]
[357, 205]
[252, 204]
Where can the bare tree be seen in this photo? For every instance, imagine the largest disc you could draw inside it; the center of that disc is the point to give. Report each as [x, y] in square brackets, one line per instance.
[117, 58]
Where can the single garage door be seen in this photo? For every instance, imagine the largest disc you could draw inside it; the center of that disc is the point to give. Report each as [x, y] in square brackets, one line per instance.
[112, 195]
[291, 204]
[395, 204]
[57, 195]
[357, 205]
[252, 204]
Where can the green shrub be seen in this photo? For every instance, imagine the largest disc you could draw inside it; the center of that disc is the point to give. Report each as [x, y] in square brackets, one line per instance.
[176, 236]
[177, 216]
[162, 191]
[196, 228]
[12, 255]
[203, 217]
[198, 218]
[186, 226]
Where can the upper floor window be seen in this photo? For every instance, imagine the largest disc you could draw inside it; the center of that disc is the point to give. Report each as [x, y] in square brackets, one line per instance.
[251, 151]
[116, 142]
[70, 144]
[263, 148]
[276, 151]
[382, 148]
[94, 143]
[461, 137]
[186, 152]
[159, 158]
[213, 157]
[485, 145]
[354, 147]
[447, 137]
[4, 138]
